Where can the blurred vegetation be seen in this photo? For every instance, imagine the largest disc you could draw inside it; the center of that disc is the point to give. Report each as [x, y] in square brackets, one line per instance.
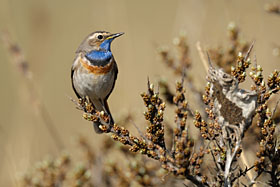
[38, 119]
[222, 133]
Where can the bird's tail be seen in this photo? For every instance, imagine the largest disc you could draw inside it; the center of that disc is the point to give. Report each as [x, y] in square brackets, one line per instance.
[111, 121]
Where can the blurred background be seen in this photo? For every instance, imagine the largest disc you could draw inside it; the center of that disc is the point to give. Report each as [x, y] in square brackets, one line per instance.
[49, 32]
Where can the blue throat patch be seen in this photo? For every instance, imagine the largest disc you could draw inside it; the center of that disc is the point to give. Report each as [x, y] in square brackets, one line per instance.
[101, 57]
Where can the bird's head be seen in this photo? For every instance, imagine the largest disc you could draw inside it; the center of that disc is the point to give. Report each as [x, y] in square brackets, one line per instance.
[98, 41]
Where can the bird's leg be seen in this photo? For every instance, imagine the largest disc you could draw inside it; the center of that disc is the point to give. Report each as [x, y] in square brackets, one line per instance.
[106, 110]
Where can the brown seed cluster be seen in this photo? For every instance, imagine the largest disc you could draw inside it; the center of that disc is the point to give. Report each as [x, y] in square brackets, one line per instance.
[273, 81]
[265, 91]
[201, 125]
[197, 160]
[212, 129]
[181, 110]
[154, 115]
[208, 130]
[257, 76]
[239, 71]
[267, 150]
[178, 161]
[182, 148]
[268, 154]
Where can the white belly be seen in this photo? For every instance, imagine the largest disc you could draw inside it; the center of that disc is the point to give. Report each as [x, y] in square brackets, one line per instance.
[96, 87]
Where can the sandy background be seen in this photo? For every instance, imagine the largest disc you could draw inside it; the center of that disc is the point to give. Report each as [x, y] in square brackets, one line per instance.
[50, 31]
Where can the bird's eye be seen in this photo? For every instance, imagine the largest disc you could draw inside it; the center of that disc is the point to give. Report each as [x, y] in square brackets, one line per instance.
[100, 37]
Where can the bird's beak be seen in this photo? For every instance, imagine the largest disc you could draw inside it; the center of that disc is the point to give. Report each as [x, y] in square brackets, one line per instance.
[113, 36]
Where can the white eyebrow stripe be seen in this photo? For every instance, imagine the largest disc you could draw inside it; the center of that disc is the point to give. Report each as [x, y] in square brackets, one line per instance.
[93, 36]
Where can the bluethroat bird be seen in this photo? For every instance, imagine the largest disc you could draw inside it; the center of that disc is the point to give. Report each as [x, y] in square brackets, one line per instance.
[94, 71]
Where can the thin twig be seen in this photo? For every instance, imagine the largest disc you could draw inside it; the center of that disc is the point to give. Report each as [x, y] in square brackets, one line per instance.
[249, 50]
[202, 56]
[139, 131]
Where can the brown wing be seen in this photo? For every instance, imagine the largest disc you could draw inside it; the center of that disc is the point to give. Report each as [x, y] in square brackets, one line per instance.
[72, 74]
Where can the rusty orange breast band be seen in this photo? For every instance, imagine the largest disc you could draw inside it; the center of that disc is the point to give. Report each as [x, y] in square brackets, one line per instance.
[98, 70]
